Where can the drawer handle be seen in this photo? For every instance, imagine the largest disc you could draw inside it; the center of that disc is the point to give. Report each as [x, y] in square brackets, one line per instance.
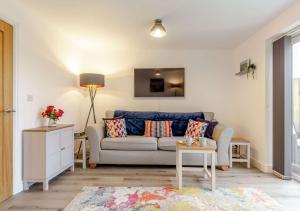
[63, 148]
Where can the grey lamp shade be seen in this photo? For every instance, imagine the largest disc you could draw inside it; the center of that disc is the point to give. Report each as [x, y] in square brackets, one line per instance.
[92, 80]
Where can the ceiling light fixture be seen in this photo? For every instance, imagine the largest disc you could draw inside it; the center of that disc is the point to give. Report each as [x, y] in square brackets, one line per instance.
[157, 30]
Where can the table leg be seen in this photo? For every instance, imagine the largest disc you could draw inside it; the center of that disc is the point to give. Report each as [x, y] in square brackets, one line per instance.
[205, 165]
[179, 168]
[213, 171]
[248, 156]
[230, 155]
[83, 154]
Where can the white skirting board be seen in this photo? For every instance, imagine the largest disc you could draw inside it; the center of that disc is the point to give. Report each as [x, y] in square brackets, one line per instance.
[263, 167]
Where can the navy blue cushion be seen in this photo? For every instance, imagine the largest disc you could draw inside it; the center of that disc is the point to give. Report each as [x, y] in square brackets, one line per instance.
[135, 120]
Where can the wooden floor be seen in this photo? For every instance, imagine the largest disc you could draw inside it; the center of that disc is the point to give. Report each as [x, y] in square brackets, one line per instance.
[64, 188]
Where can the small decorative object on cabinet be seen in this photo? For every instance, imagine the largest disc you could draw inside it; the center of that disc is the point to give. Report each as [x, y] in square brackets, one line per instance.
[53, 114]
[246, 67]
[47, 151]
[236, 151]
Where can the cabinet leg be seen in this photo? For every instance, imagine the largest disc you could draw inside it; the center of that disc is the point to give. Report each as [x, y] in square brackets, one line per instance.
[72, 168]
[25, 186]
[46, 185]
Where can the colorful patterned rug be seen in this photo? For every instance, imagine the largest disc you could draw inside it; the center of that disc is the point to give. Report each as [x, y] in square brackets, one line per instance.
[171, 199]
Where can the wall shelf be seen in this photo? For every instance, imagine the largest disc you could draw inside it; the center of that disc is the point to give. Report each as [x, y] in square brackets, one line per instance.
[243, 72]
[247, 68]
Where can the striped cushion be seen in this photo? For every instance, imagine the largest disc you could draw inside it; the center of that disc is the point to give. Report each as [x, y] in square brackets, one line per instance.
[158, 129]
[196, 129]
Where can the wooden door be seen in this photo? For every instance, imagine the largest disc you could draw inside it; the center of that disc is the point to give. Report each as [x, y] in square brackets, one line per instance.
[6, 111]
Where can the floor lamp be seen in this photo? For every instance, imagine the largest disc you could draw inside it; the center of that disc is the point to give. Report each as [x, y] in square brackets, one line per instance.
[92, 81]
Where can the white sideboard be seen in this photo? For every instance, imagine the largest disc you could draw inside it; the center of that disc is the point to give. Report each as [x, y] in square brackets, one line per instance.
[47, 151]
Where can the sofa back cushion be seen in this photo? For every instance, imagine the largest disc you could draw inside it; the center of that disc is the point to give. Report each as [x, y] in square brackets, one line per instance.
[135, 120]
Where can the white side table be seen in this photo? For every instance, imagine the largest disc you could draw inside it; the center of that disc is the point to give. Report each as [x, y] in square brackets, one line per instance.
[82, 140]
[209, 149]
[239, 157]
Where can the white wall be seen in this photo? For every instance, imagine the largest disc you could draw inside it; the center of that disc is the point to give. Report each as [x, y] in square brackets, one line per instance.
[37, 73]
[208, 82]
[254, 112]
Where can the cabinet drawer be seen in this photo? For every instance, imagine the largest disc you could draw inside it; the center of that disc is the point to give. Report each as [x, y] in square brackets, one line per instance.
[52, 164]
[52, 143]
[66, 138]
[67, 157]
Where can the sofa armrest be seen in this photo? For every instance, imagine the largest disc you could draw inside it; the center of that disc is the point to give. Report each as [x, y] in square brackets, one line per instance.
[222, 135]
[95, 134]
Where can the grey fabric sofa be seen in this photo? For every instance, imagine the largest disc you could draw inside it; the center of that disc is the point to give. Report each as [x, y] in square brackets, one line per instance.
[140, 150]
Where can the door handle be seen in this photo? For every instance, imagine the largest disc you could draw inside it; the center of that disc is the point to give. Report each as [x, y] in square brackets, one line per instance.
[8, 110]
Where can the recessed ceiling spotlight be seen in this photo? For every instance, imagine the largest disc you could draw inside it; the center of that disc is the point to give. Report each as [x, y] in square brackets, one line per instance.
[158, 30]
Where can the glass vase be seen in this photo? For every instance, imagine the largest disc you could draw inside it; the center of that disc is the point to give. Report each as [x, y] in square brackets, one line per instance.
[52, 123]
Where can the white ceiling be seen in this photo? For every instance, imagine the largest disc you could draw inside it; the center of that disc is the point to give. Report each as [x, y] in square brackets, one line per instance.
[190, 24]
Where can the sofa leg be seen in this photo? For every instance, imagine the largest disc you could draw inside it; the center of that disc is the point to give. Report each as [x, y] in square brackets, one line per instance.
[223, 168]
[92, 165]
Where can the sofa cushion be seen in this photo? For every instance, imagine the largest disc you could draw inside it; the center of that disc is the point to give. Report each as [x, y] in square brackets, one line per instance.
[158, 128]
[115, 127]
[210, 128]
[169, 143]
[196, 129]
[135, 120]
[138, 143]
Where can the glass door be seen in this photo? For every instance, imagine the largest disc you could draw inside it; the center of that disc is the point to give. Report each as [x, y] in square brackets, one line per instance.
[296, 107]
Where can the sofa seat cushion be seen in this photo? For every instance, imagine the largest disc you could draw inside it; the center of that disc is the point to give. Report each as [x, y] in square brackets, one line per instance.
[169, 143]
[129, 143]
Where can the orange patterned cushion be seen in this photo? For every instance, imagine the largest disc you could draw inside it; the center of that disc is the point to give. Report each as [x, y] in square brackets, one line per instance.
[196, 129]
[158, 128]
[115, 127]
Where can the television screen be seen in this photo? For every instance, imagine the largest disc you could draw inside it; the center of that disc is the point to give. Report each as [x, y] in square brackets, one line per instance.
[157, 85]
[159, 82]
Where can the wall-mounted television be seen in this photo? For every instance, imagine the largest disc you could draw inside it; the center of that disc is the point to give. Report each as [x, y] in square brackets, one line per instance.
[159, 82]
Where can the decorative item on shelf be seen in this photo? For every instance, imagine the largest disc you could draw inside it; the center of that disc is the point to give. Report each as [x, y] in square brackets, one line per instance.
[246, 67]
[52, 114]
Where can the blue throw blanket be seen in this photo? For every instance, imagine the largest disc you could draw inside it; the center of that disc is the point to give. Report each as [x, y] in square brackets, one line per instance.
[135, 120]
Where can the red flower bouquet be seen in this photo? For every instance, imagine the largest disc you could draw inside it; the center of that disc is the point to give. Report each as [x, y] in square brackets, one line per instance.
[53, 114]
